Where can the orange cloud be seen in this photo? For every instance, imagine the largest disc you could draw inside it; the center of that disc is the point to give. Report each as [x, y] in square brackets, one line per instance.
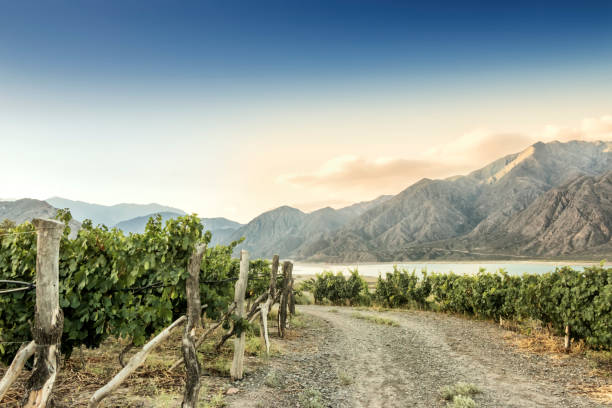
[481, 146]
[381, 175]
[360, 177]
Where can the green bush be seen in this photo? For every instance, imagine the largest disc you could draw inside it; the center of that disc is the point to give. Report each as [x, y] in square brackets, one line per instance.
[401, 289]
[338, 290]
[582, 300]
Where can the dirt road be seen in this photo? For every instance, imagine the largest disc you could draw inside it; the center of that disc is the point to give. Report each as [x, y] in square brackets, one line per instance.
[342, 361]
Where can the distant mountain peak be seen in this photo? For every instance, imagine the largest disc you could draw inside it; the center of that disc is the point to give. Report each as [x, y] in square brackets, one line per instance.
[26, 209]
[522, 156]
[110, 215]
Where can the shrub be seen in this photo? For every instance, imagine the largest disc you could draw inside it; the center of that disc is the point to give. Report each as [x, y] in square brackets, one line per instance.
[401, 288]
[580, 299]
[338, 290]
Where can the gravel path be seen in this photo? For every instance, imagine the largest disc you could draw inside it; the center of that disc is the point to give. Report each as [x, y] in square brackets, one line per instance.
[341, 361]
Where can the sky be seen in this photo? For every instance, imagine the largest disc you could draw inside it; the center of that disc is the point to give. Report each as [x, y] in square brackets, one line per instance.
[232, 108]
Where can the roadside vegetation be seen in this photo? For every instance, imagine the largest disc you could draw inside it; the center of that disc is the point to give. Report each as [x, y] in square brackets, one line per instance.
[566, 299]
[460, 395]
[375, 319]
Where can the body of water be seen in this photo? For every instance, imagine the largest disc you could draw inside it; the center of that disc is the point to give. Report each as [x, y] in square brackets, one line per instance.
[374, 269]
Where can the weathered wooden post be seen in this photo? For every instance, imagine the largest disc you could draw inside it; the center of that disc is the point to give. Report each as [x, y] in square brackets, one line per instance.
[265, 307]
[194, 310]
[273, 274]
[291, 297]
[282, 308]
[567, 339]
[237, 369]
[48, 317]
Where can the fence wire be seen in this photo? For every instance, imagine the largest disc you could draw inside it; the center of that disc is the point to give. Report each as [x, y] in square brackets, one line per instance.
[24, 286]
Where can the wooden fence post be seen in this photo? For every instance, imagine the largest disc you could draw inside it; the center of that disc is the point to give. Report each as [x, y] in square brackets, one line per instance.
[291, 297]
[237, 369]
[567, 339]
[194, 310]
[282, 308]
[273, 274]
[265, 307]
[48, 317]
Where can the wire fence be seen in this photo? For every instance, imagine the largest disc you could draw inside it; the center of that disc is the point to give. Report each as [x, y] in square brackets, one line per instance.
[5, 234]
[23, 286]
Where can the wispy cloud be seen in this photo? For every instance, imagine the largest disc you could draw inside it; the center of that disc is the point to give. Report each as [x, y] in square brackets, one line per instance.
[381, 175]
[479, 147]
[349, 174]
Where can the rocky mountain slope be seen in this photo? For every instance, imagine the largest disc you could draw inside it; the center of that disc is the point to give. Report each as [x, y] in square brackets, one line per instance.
[285, 230]
[472, 206]
[20, 211]
[573, 218]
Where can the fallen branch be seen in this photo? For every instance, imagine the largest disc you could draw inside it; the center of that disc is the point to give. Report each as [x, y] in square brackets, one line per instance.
[135, 362]
[24, 353]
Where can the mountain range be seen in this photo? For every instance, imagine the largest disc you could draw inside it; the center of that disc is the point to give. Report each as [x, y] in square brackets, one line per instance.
[493, 212]
[26, 209]
[109, 215]
[285, 230]
[550, 200]
[220, 227]
[131, 217]
[460, 216]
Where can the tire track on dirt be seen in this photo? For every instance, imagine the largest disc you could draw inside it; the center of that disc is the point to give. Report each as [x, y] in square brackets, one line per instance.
[387, 366]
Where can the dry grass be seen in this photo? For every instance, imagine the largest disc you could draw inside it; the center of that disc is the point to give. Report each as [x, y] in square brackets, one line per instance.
[310, 398]
[541, 342]
[449, 392]
[297, 322]
[150, 385]
[88, 370]
[304, 298]
[345, 378]
[596, 393]
[254, 346]
[273, 379]
[601, 361]
[375, 308]
[375, 319]
[461, 401]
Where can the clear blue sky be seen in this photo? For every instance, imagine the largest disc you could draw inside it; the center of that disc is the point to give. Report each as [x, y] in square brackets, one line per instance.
[210, 105]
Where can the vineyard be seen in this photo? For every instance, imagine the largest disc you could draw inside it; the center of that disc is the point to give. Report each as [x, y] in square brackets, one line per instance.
[136, 287]
[568, 302]
[128, 295]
